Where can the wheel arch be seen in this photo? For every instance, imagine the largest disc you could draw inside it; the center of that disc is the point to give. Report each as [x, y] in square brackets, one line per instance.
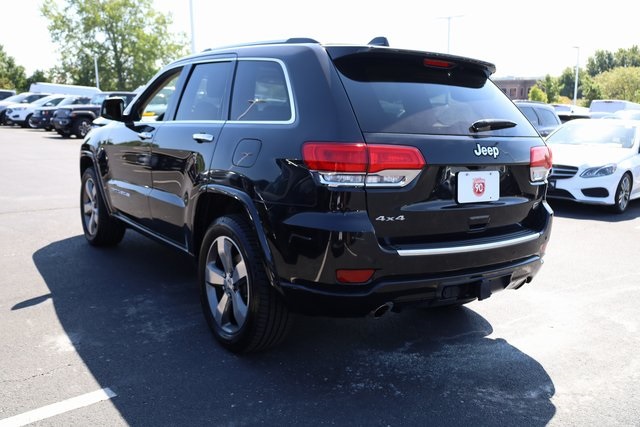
[88, 160]
[217, 201]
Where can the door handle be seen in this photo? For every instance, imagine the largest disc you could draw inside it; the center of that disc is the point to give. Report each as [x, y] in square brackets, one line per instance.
[202, 137]
[145, 135]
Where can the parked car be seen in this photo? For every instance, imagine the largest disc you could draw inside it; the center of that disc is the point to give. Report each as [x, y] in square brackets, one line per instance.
[20, 114]
[624, 115]
[41, 118]
[596, 162]
[542, 116]
[602, 107]
[5, 93]
[76, 119]
[568, 112]
[21, 98]
[324, 179]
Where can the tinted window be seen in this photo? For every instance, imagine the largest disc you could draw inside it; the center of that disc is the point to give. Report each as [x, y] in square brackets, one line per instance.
[530, 113]
[548, 118]
[260, 92]
[400, 94]
[204, 95]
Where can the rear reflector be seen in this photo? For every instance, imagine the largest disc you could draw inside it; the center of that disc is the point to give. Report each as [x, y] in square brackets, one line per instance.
[354, 276]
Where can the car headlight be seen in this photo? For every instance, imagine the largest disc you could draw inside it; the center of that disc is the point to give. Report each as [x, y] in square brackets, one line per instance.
[18, 108]
[599, 171]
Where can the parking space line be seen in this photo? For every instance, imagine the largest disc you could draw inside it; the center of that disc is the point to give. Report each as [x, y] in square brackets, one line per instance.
[58, 408]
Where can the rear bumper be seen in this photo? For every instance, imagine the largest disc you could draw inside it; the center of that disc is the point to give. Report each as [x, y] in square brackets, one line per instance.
[434, 274]
[361, 300]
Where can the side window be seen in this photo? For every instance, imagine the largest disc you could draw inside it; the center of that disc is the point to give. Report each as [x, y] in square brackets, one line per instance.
[156, 105]
[204, 95]
[530, 113]
[260, 93]
[548, 118]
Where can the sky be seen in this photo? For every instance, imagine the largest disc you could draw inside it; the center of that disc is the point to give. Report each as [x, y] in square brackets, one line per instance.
[523, 39]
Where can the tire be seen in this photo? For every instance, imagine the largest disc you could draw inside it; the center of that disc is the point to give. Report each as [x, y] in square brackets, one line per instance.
[100, 229]
[82, 127]
[25, 124]
[251, 315]
[623, 194]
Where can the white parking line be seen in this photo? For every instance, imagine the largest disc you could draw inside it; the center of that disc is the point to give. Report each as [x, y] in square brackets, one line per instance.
[58, 408]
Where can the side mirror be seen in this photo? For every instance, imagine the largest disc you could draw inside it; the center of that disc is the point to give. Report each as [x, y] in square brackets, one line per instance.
[112, 108]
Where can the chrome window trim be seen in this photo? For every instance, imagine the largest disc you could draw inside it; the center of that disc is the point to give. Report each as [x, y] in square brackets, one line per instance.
[289, 93]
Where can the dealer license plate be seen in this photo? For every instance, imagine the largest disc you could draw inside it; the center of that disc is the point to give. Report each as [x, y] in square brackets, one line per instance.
[478, 186]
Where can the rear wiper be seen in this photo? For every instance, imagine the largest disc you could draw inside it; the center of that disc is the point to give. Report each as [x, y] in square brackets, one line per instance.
[484, 125]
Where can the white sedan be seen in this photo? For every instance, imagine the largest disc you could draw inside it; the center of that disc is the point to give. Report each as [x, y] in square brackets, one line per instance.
[596, 162]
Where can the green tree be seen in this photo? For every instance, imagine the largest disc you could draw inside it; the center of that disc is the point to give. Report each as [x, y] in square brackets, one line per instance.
[567, 79]
[627, 57]
[590, 90]
[37, 76]
[620, 83]
[12, 76]
[129, 40]
[550, 87]
[601, 61]
[537, 94]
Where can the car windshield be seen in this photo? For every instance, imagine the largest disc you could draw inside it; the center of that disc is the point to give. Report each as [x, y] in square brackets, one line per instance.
[15, 98]
[596, 132]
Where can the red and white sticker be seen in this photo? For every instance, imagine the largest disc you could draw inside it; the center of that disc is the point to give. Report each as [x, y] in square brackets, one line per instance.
[478, 186]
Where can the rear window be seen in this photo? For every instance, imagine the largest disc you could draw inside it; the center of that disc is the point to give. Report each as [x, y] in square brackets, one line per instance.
[395, 93]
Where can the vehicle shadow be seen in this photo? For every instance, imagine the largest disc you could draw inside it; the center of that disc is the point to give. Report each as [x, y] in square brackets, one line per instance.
[133, 315]
[573, 210]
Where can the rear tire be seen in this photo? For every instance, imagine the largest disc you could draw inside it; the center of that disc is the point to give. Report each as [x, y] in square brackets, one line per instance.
[243, 311]
[100, 228]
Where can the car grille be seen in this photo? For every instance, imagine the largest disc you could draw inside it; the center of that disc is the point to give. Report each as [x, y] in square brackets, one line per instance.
[563, 172]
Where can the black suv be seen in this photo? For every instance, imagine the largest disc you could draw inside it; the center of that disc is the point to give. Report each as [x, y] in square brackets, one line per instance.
[322, 179]
[77, 119]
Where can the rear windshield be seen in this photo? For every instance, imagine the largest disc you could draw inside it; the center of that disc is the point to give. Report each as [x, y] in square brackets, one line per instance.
[394, 93]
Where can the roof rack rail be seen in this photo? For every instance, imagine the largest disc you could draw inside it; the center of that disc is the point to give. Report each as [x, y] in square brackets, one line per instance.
[379, 41]
[301, 40]
[291, 40]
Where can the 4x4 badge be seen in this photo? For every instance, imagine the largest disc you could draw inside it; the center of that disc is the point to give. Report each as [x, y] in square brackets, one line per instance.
[486, 151]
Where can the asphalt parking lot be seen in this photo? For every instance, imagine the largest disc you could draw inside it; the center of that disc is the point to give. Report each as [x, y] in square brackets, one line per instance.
[116, 337]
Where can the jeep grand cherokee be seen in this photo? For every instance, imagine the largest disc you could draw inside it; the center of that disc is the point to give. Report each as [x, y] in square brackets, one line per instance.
[324, 179]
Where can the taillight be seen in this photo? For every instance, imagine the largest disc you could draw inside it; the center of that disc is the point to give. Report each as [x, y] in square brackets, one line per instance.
[359, 164]
[540, 163]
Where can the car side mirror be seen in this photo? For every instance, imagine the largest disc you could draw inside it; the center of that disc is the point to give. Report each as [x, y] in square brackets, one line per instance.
[112, 108]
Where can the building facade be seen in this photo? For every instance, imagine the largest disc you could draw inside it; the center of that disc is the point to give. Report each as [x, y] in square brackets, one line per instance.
[516, 87]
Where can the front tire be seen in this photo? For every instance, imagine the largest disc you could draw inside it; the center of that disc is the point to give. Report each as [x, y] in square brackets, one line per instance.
[100, 229]
[243, 311]
[623, 194]
[82, 127]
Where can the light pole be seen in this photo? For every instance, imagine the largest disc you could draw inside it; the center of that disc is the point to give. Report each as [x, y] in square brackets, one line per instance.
[193, 37]
[449, 18]
[575, 85]
[95, 64]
